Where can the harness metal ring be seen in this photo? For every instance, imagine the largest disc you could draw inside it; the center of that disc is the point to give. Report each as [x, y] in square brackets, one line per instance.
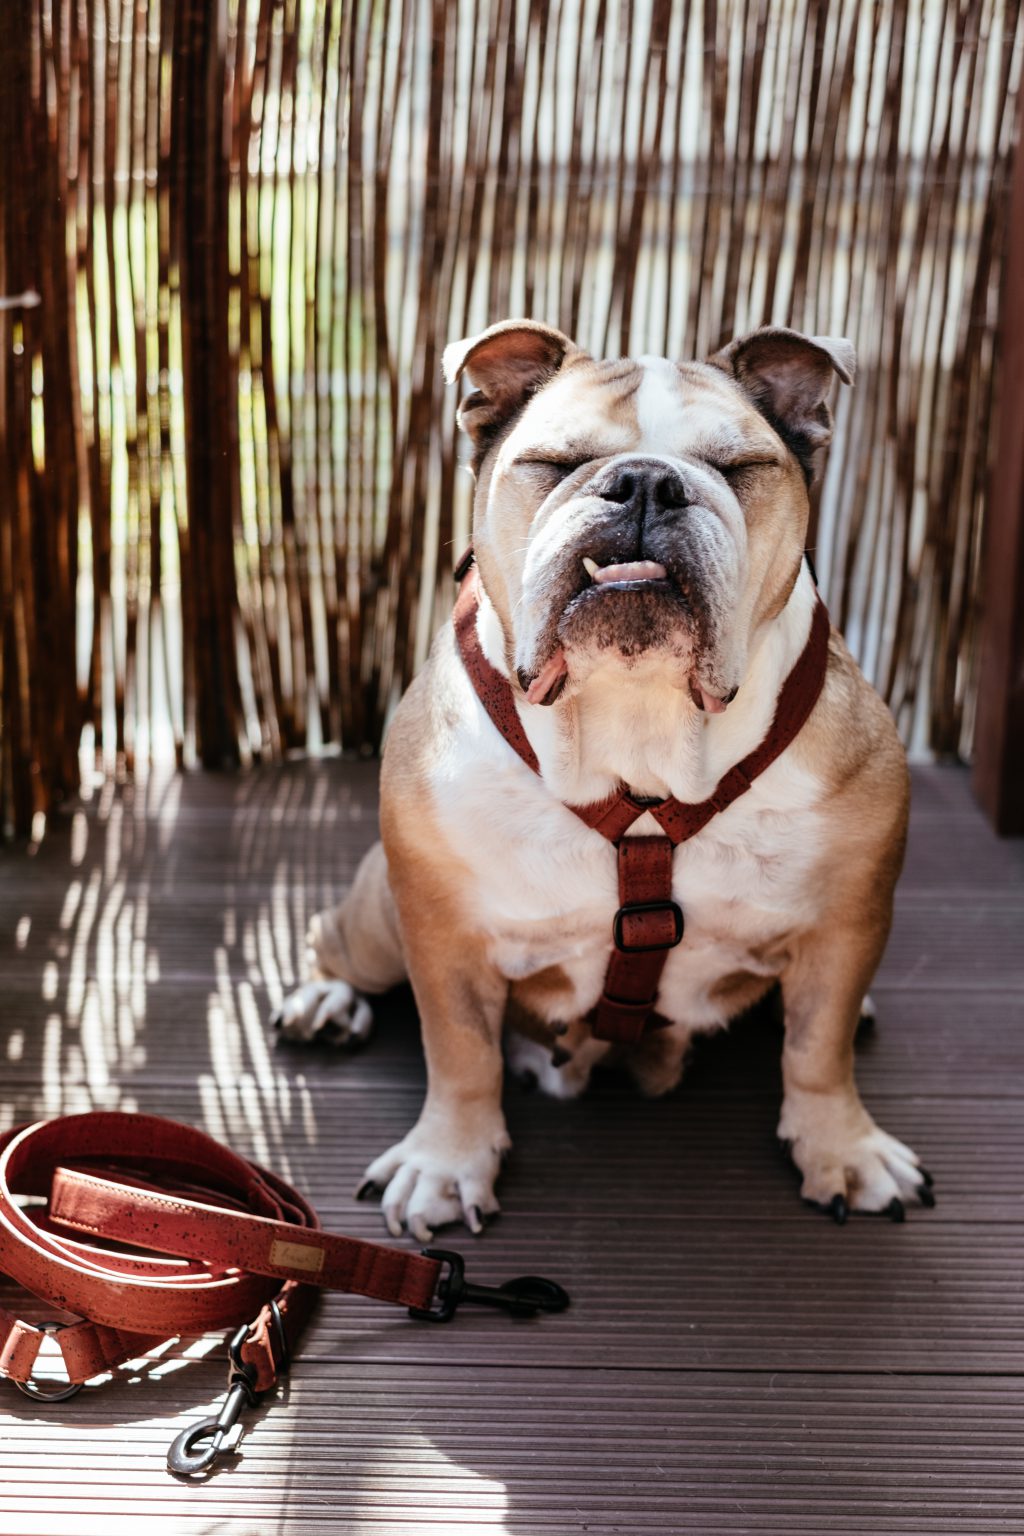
[32, 1390]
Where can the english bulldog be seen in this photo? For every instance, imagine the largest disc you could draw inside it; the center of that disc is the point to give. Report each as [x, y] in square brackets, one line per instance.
[642, 593]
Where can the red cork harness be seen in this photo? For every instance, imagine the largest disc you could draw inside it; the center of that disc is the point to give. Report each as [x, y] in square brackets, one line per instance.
[648, 922]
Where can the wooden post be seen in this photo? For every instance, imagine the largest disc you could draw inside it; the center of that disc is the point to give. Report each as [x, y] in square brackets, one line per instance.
[40, 716]
[999, 731]
[199, 209]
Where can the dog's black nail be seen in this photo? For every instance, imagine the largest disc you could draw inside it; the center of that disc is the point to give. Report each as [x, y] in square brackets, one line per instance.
[865, 1023]
[366, 1189]
[839, 1209]
[277, 1020]
[926, 1197]
[559, 1056]
[895, 1210]
[929, 1181]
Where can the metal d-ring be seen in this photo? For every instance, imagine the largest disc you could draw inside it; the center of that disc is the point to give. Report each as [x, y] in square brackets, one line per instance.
[32, 1390]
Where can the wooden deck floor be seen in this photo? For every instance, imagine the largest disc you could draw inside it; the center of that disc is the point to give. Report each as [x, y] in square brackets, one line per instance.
[732, 1361]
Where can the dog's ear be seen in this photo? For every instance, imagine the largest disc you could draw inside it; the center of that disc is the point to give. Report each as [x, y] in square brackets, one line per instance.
[507, 363]
[788, 377]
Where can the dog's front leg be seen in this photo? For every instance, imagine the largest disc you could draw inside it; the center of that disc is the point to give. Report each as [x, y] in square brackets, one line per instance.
[445, 1169]
[846, 1160]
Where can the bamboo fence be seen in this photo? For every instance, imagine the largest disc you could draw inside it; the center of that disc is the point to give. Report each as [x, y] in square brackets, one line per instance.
[236, 234]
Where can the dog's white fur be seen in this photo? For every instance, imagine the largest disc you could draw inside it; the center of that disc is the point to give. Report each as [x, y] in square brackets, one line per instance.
[495, 893]
[741, 880]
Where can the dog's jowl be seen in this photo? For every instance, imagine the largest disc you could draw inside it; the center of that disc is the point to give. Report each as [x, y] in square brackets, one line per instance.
[639, 780]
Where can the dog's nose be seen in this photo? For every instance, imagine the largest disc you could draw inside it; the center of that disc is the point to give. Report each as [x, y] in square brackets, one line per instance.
[644, 486]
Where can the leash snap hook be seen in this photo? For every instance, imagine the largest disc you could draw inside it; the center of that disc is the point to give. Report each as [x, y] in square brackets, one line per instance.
[183, 1457]
[524, 1296]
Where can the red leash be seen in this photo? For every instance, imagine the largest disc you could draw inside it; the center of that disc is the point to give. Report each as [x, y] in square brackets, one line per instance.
[648, 922]
[249, 1254]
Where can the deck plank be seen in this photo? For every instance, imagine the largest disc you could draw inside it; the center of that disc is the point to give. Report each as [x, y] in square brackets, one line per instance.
[731, 1363]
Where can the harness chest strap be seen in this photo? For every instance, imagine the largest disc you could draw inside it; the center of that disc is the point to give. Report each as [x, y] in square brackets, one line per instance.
[648, 922]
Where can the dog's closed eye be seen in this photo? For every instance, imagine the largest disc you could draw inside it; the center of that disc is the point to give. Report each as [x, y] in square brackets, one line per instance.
[550, 469]
[736, 470]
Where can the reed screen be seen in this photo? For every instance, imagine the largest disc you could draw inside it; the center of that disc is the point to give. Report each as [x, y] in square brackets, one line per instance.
[236, 235]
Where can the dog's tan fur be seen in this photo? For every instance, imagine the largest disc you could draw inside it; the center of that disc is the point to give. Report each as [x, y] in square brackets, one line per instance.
[415, 907]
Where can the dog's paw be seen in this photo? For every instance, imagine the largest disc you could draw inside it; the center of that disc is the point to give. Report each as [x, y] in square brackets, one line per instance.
[434, 1177]
[848, 1163]
[331, 1011]
[563, 1071]
[656, 1063]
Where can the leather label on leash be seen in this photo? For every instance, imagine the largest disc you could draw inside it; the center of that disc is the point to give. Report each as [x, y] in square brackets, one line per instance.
[297, 1256]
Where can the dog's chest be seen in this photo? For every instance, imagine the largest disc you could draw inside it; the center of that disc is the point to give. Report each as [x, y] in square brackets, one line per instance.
[545, 888]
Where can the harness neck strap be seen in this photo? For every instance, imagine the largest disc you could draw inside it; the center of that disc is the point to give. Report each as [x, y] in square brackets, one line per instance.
[648, 922]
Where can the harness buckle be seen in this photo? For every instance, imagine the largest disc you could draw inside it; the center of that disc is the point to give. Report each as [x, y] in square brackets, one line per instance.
[636, 909]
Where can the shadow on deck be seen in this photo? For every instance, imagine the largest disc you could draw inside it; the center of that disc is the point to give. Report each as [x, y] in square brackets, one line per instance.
[732, 1362]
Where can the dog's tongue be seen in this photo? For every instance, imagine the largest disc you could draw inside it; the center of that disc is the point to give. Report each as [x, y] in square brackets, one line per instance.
[547, 685]
[630, 570]
[708, 701]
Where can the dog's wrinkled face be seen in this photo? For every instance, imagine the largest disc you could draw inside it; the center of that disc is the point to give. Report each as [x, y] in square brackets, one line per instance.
[641, 511]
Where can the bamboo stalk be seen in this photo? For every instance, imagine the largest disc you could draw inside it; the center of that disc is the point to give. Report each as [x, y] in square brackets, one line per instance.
[229, 466]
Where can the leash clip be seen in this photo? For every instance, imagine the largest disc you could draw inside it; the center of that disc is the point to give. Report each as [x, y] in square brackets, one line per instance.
[523, 1297]
[183, 1459]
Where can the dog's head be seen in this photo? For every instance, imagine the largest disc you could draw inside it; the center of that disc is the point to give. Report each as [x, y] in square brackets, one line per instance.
[643, 510]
